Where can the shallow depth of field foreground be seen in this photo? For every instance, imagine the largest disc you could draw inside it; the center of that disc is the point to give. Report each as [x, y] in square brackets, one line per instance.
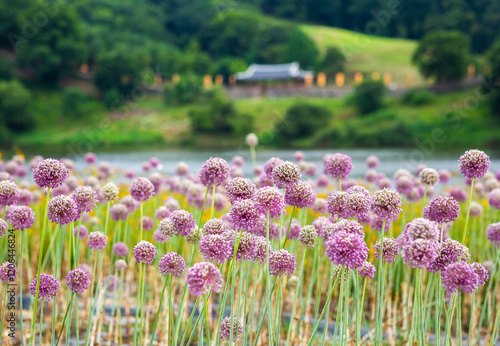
[292, 255]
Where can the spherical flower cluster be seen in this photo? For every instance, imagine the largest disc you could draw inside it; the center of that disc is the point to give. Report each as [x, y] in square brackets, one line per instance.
[319, 206]
[145, 252]
[269, 166]
[246, 246]
[421, 228]
[216, 248]
[281, 262]
[444, 176]
[147, 223]
[162, 213]
[172, 263]
[476, 209]
[50, 173]
[370, 175]
[85, 198]
[78, 280]
[81, 231]
[367, 270]
[9, 193]
[120, 249]
[442, 209]
[429, 176]
[214, 171]
[419, 253]
[336, 204]
[269, 199]
[111, 282]
[90, 158]
[482, 273]
[62, 210]
[474, 163]
[494, 198]
[347, 249]
[386, 203]
[252, 140]
[261, 246]
[348, 226]
[8, 272]
[493, 233]
[158, 237]
[47, 289]
[390, 249]
[404, 184]
[225, 329]
[299, 195]
[110, 192]
[358, 202]
[286, 173]
[121, 265]
[181, 169]
[183, 222]
[157, 180]
[376, 223]
[166, 227]
[202, 278]
[338, 166]
[246, 215]
[239, 188]
[458, 194]
[119, 211]
[372, 161]
[25, 197]
[3, 228]
[459, 276]
[141, 189]
[308, 236]
[449, 251]
[97, 240]
[21, 217]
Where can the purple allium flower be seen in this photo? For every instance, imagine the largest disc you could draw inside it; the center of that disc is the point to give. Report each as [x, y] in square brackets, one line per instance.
[377, 222]
[110, 192]
[3, 228]
[419, 253]
[172, 263]
[62, 190]
[203, 277]
[319, 206]
[111, 283]
[146, 167]
[162, 212]
[338, 166]
[370, 175]
[474, 163]
[252, 140]
[404, 184]
[220, 201]
[429, 176]
[386, 203]
[85, 198]
[421, 228]
[77, 280]
[337, 204]
[493, 233]
[34, 162]
[181, 169]
[120, 249]
[157, 180]
[322, 181]
[494, 198]
[269, 166]
[214, 171]
[358, 202]
[130, 203]
[141, 189]
[444, 176]
[347, 249]
[274, 231]
[319, 223]
[9, 193]
[260, 249]
[460, 276]
[299, 195]
[482, 273]
[144, 252]
[348, 226]
[130, 174]
[246, 248]
[81, 231]
[372, 161]
[238, 161]
[8, 272]
[308, 236]
[225, 329]
[50, 173]
[269, 199]
[294, 229]
[86, 267]
[154, 161]
[458, 194]
[62, 210]
[442, 209]
[281, 262]
[172, 204]
[216, 247]
[25, 197]
[119, 211]
[286, 173]
[310, 169]
[299, 156]
[21, 217]
[239, 188]
[121, 265]
[158, 237]
[97, 240]
[215, 226]
[147, 223]
[47, 289]
[183, 222]
[390, 249]
[476, 209]
[367, 270]
[90, 158]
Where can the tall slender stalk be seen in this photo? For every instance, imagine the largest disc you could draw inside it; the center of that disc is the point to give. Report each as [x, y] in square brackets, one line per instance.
[468, 210]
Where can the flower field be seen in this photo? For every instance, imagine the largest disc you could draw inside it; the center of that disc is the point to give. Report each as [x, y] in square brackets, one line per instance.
[293, 255]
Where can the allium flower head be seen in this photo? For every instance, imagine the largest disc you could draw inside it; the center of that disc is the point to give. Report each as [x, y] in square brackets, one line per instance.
[214, 171]
[474, 163]
[348, 226]
[225, 329]
[482, 273]
[166, 227]
[493, 233]
[390, 249]
[419, 253]
[3, 228]
[48, 288]
[21, 217]
[157, 180]
[202, 278]
[215, 226]
[286, 173]
[338, 166]
[158, 237]
[90, 158]
[147, 223]
[50, 173]
[120, 249]
[25, 197]
[372, 161]
[141, 189]
[145, 252]
[111, 282]
[162, 212]
[119, 211]
[110, 192]
[347, 249]
[246, 215]
[367, 270]
[9, 193]
[121, 265]
[269, 166]
[216, 248]
[458, 194]
[281, 262]
[386, 203]
[429, 176]
[476, 209]
[358, 202]
[81, 231]
[8, 272]
[421, 228]
[269, 199]
[459, 276]
[261, 246]
[336, 204]
[172, 263]
[239, 188]
[181, 169]
[444, 176]
[252, 140]
[62, 210]
[442, 209]
[404, 184]
[494, 198]
[246, 247]
[85, 198]
[299, 194]
[97, 240]
[183, 222]
[78, 280]
[308, 236]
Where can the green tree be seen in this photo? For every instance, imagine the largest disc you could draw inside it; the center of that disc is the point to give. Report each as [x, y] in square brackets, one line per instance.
[443, 55]
[300, 47]
[14, 106]
[493, 85]
[369, 96]
[73, 102]
[302, 120]
[334, 61]
[5, 68]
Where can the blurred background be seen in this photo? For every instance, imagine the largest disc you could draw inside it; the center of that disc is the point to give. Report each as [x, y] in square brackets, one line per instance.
[113, 76]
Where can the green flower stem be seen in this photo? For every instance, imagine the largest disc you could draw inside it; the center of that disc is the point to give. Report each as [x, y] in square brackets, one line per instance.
[301, 274]
[268, 288]
[64, 320]
[138, 301]
[92, 304]
[213, 201]
[380, 287]
[288, 229]
[468, 210]
[41, 323]
[168, 279]
[189, 321]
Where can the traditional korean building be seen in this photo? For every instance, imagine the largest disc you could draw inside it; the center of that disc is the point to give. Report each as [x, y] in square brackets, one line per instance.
[274, 72]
